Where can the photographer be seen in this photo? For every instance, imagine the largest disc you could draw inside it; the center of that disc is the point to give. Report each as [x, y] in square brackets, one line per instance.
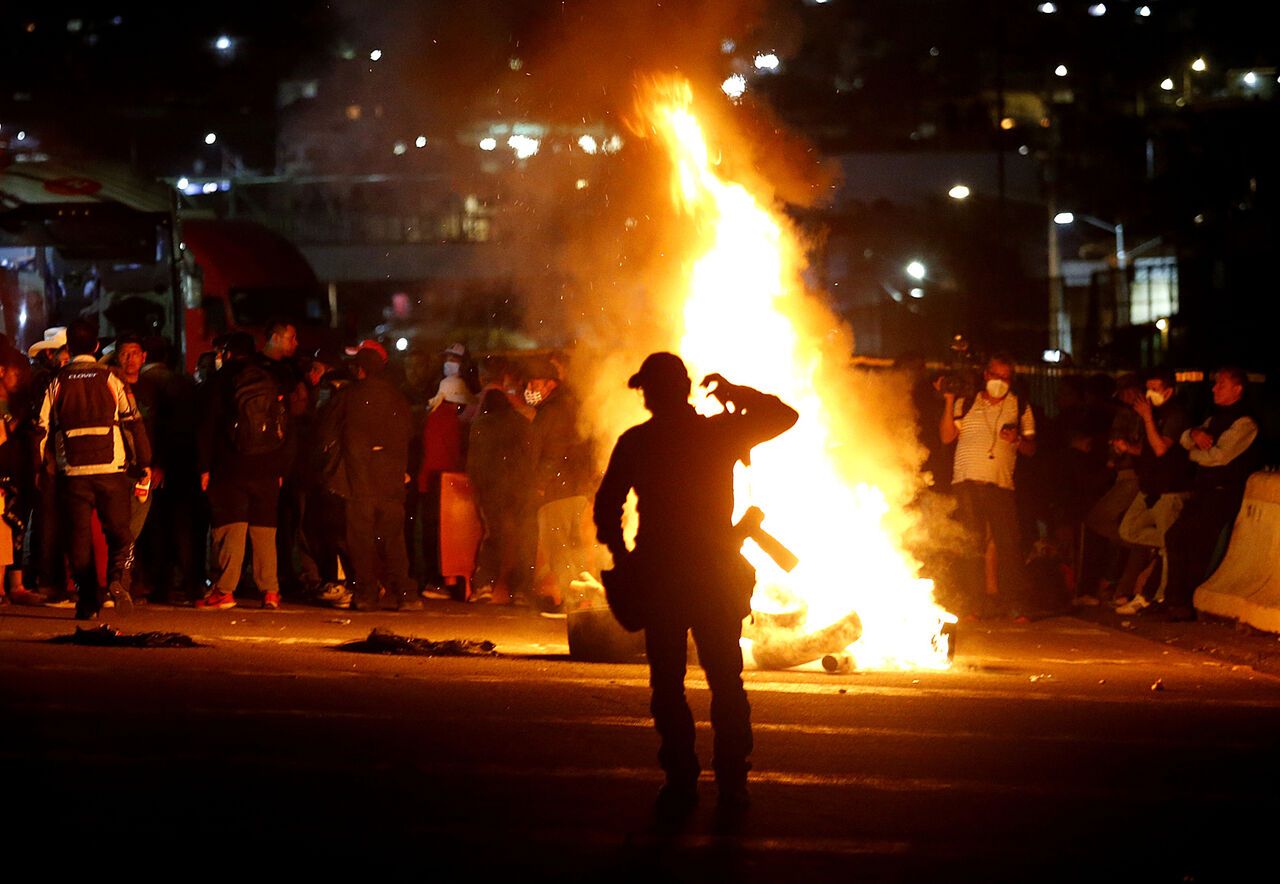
[990, 432]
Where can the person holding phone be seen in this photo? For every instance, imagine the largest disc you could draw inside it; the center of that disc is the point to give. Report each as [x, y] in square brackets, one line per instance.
[990, 432]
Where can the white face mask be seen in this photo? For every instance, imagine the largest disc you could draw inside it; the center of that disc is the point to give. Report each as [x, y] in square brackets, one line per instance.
[451, 369]
[997, 388]
[1156, 398]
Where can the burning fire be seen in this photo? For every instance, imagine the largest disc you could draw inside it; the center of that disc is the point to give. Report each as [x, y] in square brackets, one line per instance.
[821, 485]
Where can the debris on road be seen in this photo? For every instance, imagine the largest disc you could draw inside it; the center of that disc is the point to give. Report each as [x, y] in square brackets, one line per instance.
[382, 641]
[341, 621]
[106, 637]
[1158, 685]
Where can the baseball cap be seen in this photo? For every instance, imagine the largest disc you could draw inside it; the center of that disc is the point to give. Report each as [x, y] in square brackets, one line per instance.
[456, 349]
[373, 346]
[659, 369]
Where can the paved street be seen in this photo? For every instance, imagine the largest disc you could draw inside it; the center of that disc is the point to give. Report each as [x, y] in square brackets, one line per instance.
[1044, 753]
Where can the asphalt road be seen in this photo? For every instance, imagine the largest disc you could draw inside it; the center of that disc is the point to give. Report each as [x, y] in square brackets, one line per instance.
[1043, 754]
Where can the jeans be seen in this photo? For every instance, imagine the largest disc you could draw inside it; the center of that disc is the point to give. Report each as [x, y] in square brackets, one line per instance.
[716, 637]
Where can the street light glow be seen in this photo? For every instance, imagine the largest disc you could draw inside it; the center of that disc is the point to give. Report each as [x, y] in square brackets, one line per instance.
[211, 138]
[1098, 10]
[588, 144]
[223, 43]
[184, 183]
[402, 344]
[1200, 65]
[734, 86]
[1060, 70]
[1167, 84]
[523, 145]
[1064, 218]
[916, 270]
[959, 192]
[1143, 11]
[375, 55]
[420, 141]
[488, 144]
[1048, 8]
[1251, 79]
[767, 61]
[1162, 324]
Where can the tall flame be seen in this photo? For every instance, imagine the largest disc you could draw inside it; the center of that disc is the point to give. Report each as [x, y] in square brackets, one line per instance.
[747, 315]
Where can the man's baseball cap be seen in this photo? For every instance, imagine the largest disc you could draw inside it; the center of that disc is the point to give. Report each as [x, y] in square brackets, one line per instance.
[373, 346]
[458, 349]
[54, 339]
[659, 369]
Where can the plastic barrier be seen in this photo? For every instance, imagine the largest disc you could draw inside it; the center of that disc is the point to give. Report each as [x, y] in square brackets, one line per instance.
[1246, 585]
[460, 528]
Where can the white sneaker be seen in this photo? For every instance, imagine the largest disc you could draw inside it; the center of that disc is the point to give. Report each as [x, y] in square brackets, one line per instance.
[336, 595]
[1135, 605]
[482, 595]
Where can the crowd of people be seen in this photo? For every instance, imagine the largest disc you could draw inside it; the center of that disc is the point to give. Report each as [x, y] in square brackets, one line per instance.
[1121, 498]
[125, 479]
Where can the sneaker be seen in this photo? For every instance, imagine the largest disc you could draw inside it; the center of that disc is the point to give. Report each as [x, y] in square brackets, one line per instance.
[1121, 600]
[1085, 601]
[435, 593]
[1135, 605]
[271, 601]
[335, 595]
[62, 603]
[23, 596]
[216, 601]
[482, 595]
[123, 601]
[408, 603]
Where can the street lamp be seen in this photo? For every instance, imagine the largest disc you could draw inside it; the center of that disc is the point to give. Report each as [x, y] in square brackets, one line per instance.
[916, 270]
[1063, 219]
[959, 192]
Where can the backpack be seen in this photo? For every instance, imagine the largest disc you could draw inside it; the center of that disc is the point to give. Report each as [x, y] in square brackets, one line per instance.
[260, 413]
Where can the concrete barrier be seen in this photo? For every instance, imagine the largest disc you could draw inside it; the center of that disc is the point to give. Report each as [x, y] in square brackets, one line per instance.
[1246, 585]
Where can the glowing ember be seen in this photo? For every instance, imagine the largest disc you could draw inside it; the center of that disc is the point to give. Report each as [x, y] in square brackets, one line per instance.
[825, 486]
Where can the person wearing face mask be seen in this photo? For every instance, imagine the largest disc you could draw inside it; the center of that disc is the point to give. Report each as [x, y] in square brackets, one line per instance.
[1225, 452]
[990, 432]
[443, 451]
[1162, 470]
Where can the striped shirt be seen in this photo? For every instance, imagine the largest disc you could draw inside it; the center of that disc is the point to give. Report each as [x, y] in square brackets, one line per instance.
[981, 455]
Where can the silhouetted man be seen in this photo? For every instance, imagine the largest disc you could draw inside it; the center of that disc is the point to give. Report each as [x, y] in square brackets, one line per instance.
[686, 569]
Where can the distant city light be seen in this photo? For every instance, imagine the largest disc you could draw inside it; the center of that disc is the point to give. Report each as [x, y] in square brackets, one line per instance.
[1098, 10]
[916, 270]
[1143, 11]
[1023, 150]
[223, 43]
[402, 344]
[523, 145]
[210, 187]
[734, 86]
[400, 148]
[1064, 218]
[767, 61]
[515, 63]
[1200, 65]
[420, 141]
[22, 134]
[1053, 357]
[1060, 70]
[613, 145]
[488, 143]
[916, 293]
[210, 138]
[727, 46]
[1162, 324]
[1250, 79]
[588, 144]
[1008, 123]
[1167, 84]
[1048, 8]
[959, 192]
[375, 55]
[183, 183]
[581, 184]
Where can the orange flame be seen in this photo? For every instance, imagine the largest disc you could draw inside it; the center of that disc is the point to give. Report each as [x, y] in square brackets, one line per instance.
[823, 484]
